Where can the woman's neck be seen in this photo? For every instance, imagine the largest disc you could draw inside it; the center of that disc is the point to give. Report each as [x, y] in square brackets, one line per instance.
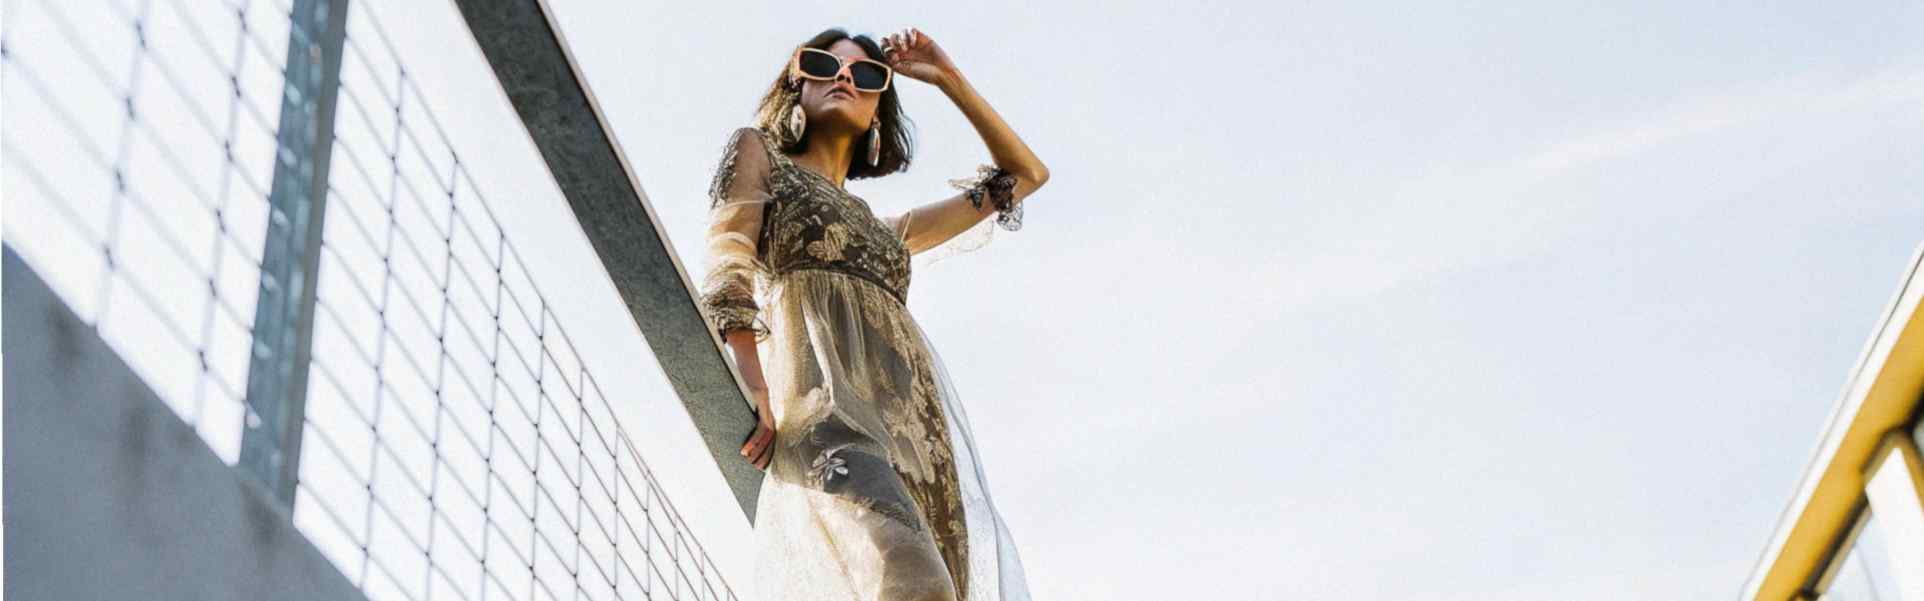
[828, 153]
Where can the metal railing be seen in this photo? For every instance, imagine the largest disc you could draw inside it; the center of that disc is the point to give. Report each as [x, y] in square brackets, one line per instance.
[399, 379]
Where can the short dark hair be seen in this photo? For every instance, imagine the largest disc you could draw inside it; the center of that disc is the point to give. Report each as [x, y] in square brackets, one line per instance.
[898, 146]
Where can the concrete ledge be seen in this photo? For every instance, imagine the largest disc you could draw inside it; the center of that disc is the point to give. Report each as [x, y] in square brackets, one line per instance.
[542, 81]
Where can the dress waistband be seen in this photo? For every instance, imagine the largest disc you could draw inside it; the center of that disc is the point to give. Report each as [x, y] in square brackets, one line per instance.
[899, 297]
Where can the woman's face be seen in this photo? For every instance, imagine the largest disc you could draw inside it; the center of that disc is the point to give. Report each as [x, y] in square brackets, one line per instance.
[838, 102]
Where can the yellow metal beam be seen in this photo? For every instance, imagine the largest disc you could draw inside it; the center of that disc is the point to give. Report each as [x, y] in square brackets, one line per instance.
[1882, 397]
[1896, 491]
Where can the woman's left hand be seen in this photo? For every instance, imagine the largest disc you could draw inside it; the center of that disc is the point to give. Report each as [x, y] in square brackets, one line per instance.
[914, 55]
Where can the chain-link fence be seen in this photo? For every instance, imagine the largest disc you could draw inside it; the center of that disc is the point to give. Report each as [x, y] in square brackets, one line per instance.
[401, 378]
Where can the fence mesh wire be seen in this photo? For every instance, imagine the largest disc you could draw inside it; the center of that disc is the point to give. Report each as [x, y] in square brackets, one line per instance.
[455, 443]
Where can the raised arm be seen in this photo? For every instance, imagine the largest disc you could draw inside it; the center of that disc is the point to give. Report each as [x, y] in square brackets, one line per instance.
[915, 55]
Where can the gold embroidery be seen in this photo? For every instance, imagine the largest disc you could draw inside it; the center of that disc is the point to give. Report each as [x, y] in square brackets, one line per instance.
[829, 248]
[821, 226]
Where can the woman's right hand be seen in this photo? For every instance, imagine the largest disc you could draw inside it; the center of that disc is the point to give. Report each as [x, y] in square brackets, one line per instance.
[760, 447]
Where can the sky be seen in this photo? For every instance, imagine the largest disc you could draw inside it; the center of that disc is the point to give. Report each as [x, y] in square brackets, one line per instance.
[1372, 300]
[1358, 300]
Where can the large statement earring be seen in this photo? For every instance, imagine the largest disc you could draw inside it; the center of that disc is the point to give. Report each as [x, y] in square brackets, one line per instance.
[875, 143]
[797, 119]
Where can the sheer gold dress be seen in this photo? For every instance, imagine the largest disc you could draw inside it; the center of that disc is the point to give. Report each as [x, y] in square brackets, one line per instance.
[874, 491]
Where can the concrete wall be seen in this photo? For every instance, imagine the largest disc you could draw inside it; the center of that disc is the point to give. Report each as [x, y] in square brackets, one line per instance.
[109, 495]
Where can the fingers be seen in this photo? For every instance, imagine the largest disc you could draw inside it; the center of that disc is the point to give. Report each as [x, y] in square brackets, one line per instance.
[908, 38]
[753, 451]
[760, 447]
[754, 445]
[768, 452]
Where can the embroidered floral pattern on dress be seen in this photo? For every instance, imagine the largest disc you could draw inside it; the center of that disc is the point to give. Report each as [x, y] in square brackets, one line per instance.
[828, 465]
[822, 226]
[829, 248]
[859, 404]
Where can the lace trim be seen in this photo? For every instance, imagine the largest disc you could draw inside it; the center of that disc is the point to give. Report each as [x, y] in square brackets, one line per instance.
[990, 184]
[998, 187]
[733, 307]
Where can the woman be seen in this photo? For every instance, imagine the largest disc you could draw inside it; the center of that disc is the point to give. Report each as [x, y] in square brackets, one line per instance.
[873, 488]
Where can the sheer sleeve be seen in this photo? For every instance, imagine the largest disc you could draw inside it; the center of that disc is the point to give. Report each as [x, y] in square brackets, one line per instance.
[737, 199]
[991, 186]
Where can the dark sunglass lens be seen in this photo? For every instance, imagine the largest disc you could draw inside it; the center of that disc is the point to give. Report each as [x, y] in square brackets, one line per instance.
[868, 76]
[819, 65]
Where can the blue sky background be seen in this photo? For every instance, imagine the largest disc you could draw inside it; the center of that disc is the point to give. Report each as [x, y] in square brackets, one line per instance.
[1372, 300]
[1340, 300]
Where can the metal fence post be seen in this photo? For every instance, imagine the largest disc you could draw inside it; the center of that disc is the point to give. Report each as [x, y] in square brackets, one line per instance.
[284, 315]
